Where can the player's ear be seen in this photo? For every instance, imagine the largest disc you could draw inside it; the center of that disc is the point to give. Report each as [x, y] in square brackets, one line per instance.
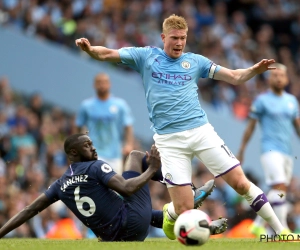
[73, 152]
[163, 36]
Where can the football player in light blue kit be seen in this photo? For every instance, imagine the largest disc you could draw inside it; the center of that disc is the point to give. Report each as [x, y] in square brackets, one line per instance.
[181, 127]
[278, 115]
[109, 122]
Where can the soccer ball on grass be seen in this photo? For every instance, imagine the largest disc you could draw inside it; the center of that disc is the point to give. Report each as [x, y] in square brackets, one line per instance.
[192, 227]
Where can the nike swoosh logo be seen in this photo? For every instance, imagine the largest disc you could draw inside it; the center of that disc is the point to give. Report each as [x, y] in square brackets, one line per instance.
[185, 234]
[200, 196]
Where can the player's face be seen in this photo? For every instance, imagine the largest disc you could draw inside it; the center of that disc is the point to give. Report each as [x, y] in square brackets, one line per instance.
[85, 149]
[278, 79]
[174, 42]
[102, 84]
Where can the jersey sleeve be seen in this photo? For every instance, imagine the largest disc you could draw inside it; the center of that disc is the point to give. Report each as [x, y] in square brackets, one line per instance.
[207, 67]
[104, 172]
[134, 57]
[52, 192]
[81, 116]
[256, 109]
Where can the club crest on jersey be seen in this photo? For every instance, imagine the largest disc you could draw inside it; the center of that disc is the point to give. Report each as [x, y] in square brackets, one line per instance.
[106, 168]
[185, 65]
[113, 109]
[168, 177]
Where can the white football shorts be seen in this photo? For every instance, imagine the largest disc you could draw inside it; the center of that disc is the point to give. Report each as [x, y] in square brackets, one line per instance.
[178, 149]
[278, 167]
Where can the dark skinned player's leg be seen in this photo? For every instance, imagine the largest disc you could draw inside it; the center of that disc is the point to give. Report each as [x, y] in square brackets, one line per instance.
[139, 208]
[157, 215]
[133, 163]
[136, 161]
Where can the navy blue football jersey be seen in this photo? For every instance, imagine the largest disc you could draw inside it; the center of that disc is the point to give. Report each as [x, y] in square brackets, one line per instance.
[83, 189]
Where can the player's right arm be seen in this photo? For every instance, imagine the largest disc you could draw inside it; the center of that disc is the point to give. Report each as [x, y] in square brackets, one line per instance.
[246, 137]
[98, 52]
[38, 205]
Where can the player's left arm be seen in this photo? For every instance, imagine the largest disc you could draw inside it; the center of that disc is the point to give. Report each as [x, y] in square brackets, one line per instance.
[38, 205]
[128, 135]
[239, 76]
[128, 140]
[296, 124]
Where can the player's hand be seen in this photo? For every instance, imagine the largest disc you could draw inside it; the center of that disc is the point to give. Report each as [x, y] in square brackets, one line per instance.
[153, 159]
[263, 66]
[83, 43]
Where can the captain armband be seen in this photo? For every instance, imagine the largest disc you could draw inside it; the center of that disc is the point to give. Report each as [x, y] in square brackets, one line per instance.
[212, 71]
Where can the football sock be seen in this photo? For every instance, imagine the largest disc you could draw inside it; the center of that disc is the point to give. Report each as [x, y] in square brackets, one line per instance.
[260, 204]
[158, 174]
[277, 199]
[172, 216]
[157, 218]
[259, 221]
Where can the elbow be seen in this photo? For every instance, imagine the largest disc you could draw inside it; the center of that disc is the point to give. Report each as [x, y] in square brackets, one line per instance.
[101, 58]
[128, 191]
[126, 194]
[237, 80]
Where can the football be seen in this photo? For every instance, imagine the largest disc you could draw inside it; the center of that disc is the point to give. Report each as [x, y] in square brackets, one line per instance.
[192, 227]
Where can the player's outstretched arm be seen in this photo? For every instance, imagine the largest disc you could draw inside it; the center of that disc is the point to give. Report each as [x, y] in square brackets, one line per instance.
[246, 137]
[239, 76]
[38, 205]
[130, 186]
[98, 52]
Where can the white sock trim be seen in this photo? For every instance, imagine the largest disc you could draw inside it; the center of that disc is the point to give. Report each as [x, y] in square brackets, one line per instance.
[172, 216]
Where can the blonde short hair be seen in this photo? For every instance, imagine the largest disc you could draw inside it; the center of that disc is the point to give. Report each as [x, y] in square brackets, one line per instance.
[279, 66]
[174, 22]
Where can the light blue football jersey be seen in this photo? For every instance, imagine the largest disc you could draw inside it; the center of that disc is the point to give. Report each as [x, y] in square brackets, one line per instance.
[170, 86]
[275, 115]
[105, 121]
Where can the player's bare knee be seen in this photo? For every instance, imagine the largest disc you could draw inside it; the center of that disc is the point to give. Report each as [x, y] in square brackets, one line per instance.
[134, 161]
[136, 155]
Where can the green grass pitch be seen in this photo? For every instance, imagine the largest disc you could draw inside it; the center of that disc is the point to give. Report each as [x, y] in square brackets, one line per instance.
[149, 244]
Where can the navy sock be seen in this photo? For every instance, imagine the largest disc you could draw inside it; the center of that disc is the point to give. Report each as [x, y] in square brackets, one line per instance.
[157, 176]
[157, 218]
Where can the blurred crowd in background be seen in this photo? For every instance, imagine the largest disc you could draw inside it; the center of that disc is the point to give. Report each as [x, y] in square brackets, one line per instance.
[232, 33]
